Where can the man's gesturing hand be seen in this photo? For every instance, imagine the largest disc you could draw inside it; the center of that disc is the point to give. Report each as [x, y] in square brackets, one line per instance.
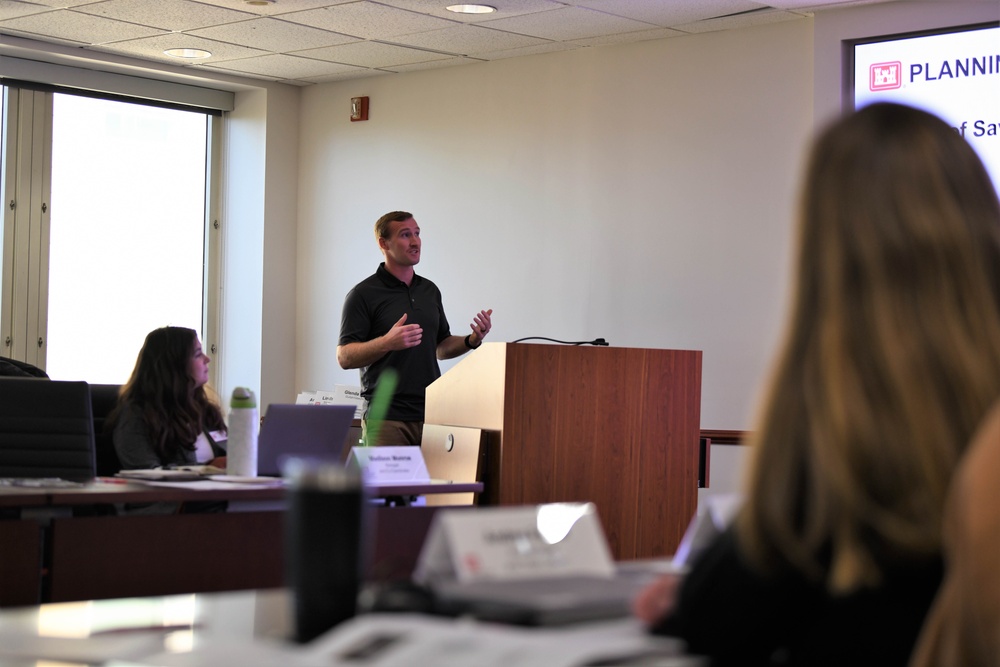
[402, 336]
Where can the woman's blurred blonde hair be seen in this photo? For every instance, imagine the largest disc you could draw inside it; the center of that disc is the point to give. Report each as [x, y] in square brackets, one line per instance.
[891, 355]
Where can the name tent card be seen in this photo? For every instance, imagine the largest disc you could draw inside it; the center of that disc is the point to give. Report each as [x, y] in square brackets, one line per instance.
[507, 543]
[390, 465]
[341, 395]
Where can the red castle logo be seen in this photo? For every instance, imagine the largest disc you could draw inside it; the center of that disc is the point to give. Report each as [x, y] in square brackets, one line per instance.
[885, 76]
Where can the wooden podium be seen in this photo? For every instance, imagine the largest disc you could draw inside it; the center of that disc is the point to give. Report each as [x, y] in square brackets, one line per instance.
[615, 426]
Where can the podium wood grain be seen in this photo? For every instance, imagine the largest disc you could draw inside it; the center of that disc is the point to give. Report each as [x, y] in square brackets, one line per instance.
[615, 426]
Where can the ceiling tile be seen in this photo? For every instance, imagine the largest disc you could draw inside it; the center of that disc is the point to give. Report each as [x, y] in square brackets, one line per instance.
[670, 13]
[372, 54]
[273, 35]
[77, 27]
[627, 37]
[274, 8]
[284, 66]
[818, 4]
[746, 20]
[469, 40]
[153, 48]
[436, 64]
[9, 10]
[548, 47]
[53, 4]
[169, 14]
[347, 75]
[504, 8]
[393, 35]
[567, 23]
[368, 20]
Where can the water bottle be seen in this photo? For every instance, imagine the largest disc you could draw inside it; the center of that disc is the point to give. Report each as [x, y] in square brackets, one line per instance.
[327, 532]
[241, 448]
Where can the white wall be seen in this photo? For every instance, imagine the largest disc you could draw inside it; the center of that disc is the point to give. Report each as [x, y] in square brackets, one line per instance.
[830, 29]
[643, 193]
[242, 220]
[259, 204]
[280, 209]
[639, 193]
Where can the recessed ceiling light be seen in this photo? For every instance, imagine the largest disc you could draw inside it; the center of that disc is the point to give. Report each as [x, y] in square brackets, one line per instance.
[190, 54]
[471, 9]
[259, 3]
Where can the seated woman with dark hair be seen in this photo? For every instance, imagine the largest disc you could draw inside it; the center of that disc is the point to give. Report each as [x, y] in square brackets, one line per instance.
[164, 414]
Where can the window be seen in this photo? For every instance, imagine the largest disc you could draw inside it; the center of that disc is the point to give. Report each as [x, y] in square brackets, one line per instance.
[122, 242]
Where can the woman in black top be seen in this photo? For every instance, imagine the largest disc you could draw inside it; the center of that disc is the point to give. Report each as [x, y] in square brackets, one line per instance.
[891, 359]
[164, 415]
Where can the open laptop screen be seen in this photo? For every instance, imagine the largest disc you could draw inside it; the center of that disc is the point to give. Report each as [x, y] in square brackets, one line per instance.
[309, 431]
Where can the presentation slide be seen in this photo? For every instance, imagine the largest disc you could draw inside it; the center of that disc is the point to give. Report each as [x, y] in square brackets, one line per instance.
[955, 75]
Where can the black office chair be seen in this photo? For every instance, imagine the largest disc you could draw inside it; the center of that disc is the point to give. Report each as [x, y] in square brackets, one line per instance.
[46, 429]
[14, 368]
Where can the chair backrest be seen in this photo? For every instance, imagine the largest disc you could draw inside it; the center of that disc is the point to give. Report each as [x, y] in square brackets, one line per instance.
[46, 429]
[14, 368]
[103, 399]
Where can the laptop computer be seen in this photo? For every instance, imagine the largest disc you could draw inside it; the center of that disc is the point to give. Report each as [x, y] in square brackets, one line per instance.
[308, 431]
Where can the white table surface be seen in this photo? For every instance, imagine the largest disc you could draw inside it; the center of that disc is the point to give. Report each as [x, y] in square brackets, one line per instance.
[249, 628]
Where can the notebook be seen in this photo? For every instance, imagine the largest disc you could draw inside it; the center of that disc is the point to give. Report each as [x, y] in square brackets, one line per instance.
[544, 602]
[532, 565]
[309, 431]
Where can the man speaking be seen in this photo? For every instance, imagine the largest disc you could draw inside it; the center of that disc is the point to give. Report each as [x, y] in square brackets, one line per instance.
[394, 319]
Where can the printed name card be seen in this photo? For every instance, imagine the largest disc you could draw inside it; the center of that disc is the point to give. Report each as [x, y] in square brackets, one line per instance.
[390, 465]
[342, 394]
[553, 540]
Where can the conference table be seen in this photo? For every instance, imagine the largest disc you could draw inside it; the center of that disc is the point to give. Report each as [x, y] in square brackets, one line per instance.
[252, 628]
[65, 543]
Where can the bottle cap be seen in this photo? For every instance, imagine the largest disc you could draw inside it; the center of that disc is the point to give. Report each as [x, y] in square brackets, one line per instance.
[243, 398]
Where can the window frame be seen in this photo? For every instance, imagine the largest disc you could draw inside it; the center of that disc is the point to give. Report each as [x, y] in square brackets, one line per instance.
[24, 278]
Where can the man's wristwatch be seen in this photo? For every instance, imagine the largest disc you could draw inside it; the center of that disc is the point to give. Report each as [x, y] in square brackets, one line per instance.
[469, 345]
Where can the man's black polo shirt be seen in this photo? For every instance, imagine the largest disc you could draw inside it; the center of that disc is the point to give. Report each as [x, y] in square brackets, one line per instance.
[370, 310]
